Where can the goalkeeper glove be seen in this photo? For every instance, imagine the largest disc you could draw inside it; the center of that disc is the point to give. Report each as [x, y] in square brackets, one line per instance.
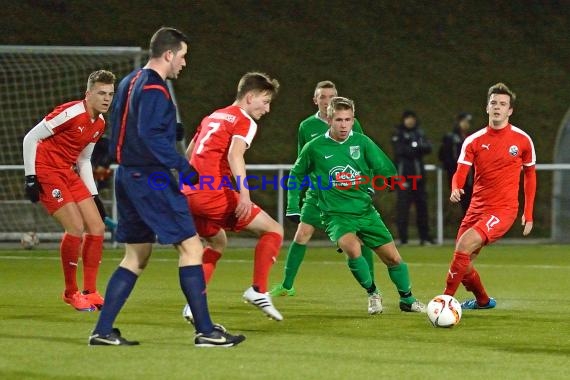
[110, 223]
[32, 188]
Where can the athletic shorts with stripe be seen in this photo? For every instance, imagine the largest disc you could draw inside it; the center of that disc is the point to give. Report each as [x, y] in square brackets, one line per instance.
[148, 210]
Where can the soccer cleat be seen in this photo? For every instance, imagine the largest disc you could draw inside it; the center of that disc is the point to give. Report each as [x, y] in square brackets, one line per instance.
[279, 290]
[414, 307]
[112, 339]
[374, 304]
[79, 302]
[217, 338]
[263, 302]
[473, 305]
[187, 314]
[95, 298]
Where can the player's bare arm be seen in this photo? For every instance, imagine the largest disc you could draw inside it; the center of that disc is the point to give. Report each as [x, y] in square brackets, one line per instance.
[237, 166]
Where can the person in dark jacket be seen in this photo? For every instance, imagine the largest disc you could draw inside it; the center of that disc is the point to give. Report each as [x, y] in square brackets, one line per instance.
[449, 153]
[410, 145]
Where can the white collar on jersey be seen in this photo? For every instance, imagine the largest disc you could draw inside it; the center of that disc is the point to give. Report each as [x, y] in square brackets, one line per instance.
[321, 119]
[328, 136]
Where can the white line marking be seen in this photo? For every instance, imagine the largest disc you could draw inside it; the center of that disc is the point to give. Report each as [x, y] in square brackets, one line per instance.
[340, 262]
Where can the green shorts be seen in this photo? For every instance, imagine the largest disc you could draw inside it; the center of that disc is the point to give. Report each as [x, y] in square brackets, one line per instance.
[311, 214]
[369, 227]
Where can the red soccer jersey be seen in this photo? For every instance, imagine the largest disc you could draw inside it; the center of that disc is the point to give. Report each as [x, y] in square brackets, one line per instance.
[72, 130]
[498, 157]
[212, 143]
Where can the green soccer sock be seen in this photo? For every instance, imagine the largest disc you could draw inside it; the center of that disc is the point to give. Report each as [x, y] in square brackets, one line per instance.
[295, 257]
[361, 272]
[368, 255]
[400, 276]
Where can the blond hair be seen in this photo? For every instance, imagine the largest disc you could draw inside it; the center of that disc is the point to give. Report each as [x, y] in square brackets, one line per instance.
[339, 103]
[100, 76]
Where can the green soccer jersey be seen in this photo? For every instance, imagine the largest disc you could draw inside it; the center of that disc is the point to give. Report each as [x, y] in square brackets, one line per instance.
[310, 128]
[339, 172]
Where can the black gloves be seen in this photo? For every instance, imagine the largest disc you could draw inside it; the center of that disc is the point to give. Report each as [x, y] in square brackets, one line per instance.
[179, 131]
[32, 188]
[295, 218]
[190, 177]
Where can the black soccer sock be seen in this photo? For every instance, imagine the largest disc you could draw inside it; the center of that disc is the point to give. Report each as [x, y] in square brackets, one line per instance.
[119, 288]
[194, 288]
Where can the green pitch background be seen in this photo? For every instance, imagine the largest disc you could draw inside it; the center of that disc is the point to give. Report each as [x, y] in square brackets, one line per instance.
[326, 333]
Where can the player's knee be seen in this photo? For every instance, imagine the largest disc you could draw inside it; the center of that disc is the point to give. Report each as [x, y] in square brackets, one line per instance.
[95, 228]
[275, 228]
[304, 233]
[74, 229]
[141, 265]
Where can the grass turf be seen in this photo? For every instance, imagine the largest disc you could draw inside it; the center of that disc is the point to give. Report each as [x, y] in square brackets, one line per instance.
[326, 332]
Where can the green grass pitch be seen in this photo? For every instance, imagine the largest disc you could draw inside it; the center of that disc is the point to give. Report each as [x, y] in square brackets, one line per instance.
[326, 333]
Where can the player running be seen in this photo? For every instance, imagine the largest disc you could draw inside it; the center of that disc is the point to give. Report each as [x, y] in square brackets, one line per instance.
[57, 164]
[497, 152]
[310, 217]
[338, 160]
[143, 122]
[217, 151]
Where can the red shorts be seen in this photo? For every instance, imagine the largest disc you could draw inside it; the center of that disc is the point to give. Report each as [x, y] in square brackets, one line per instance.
[490, 225]
[60, 187]
[215, 210]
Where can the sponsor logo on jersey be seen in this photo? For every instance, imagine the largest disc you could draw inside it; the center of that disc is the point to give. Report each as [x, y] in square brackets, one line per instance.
[314, 134]
[344, 176]
[96, 134]
[513, 150]
[485, 146]
[81, 129]
[328, 156]
[355, 152]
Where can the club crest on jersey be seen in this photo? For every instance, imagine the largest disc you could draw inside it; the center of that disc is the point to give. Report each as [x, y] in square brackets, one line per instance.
[355, 152]
[344, 176]
[56, 193]
[513, 150]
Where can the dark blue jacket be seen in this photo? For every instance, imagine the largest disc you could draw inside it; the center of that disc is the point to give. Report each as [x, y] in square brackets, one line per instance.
[145, 133]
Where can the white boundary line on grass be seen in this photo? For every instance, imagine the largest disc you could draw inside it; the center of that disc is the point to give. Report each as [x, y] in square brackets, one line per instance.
[242, 261]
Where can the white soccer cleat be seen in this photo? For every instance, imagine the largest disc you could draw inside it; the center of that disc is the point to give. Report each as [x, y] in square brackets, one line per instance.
[374, 304]
[187, 314]
[263, 302]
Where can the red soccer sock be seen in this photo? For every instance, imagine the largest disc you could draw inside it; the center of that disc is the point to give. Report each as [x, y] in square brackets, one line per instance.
[266, 252]
[69, 253]
[472, 283]
[91, 252]
[457, 270]
[209, 261]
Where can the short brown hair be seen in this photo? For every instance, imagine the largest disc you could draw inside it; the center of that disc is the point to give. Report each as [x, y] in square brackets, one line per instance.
[101, 76]
[501, 88]
[340, 103]
[257, 82]
[324, 84]
[165, 39]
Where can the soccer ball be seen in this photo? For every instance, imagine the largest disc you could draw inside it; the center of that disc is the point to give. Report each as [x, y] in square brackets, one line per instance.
[29, 240]
[444, 311]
